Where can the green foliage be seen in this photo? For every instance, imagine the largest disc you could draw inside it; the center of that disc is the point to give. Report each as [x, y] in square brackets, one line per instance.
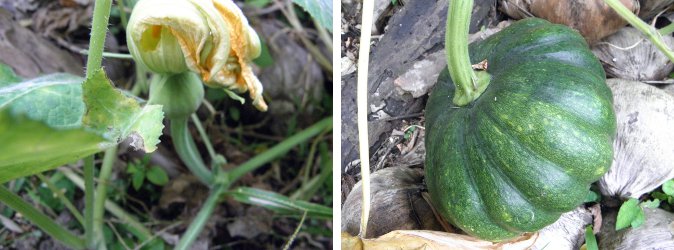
[19, 155]
[321, 10]
[50, 112]
[628, 214]
[592, 196]
[590, 239]
[140, 171]
[109, 110]
[631, 213]
[55, 100]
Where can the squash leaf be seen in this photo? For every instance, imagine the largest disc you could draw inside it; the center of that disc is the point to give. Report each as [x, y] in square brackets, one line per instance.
[54, 99]
[29, 147]
[110, 111]
[321, 10]
[44, 122]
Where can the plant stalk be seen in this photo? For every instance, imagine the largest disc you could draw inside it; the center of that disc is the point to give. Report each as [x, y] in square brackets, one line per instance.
[361, 101]
[101, 193]
[89, 201]
[99, 28]
[649, 31]
[188, 152]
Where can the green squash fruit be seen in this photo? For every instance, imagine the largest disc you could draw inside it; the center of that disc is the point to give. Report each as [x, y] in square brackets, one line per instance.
[179, 94]
[528, 148]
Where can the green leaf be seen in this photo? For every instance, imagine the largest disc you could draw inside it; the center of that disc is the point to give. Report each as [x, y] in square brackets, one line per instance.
[120, 116]
[29, 147]
[651, 204]
[7, 76]
[321, 10]
[639, 219]
[279, 203]
[628, 212]
[157, 176]
[54, 99]
[659, 195]
[592, 196]
[137, 179]
[668, 187]
[590, 239]
[43, 123]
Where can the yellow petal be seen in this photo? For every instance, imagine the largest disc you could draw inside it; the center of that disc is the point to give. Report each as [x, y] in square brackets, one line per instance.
[245, 46]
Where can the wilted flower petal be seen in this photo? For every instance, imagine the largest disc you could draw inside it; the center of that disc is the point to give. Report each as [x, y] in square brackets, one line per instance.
[210, 37]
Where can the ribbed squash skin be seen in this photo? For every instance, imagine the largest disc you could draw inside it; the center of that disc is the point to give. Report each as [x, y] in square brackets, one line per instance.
[529, 147]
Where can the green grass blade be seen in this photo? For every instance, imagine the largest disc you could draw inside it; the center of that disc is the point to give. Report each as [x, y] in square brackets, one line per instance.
[40, 220]
[279, 203]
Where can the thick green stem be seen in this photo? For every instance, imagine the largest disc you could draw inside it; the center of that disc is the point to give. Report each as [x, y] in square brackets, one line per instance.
[188, 152]
[649, 31]
[101, 192]
[469, 85]
[202, 217]
[39, 219]
[280, 149]
[89, 201]
[99, 27]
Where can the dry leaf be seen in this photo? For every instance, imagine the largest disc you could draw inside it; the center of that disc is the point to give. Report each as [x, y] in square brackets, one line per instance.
[419, 239]
[594, 19]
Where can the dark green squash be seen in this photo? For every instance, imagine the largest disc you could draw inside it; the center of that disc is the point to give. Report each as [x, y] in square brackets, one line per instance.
[528, 148]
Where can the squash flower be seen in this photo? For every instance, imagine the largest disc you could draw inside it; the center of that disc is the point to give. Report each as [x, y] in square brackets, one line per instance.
[209, 37]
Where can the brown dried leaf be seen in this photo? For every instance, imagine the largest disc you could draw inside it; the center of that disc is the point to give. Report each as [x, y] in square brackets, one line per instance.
[594, 19]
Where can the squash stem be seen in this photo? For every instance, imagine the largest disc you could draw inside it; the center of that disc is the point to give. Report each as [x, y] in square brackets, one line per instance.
[469, 84]
[187, 151]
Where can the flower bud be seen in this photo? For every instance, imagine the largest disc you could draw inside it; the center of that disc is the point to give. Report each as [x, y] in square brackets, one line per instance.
[209, 37]
[179, 94]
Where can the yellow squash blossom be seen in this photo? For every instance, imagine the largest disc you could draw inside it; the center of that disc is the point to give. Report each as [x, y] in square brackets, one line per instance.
[209, 37]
